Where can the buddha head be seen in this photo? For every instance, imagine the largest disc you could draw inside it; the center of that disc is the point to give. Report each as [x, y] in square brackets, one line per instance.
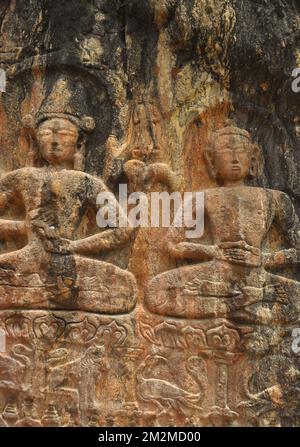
[61, 138]
[232, 157]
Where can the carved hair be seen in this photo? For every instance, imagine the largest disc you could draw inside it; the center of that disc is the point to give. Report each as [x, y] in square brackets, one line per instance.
[85, 123]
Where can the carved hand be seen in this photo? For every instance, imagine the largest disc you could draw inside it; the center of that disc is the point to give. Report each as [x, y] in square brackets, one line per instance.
[52, 242]
[134, 169]
[161, 172]
[239, 253]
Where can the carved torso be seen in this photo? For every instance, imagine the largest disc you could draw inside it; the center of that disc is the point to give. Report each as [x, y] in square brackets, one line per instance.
[57, 198]
[239, 213]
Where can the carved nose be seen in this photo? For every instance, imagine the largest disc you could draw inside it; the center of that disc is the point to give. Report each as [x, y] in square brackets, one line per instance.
[234, 158]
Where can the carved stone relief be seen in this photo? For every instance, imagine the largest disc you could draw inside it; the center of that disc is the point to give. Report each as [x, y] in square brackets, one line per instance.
[144, 326]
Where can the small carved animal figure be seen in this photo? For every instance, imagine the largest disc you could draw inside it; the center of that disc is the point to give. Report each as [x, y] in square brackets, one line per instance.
[13, 367]
[166, 394]
[79, 375]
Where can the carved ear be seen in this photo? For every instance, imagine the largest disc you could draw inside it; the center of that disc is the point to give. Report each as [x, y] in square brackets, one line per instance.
[29, 125]
[208, 157]
[79, 159]
[257, 161]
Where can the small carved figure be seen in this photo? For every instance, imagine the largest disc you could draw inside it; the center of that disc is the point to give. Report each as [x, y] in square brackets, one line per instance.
[167, 395]
[144, 161]
[14, 368]
[76, 376]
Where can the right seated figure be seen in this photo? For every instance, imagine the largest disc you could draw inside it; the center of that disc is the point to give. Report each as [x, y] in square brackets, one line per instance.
[229, 275]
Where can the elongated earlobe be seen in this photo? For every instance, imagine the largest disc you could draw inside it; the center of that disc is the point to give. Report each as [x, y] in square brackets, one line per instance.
[79, 161]
[252, 170]
[256, 166]
[79, 157]
[29, 131]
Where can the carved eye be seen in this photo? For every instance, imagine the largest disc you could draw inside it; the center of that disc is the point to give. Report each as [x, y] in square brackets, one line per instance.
[226, 151]
[240, 151]
[45, 133]
[65, 133]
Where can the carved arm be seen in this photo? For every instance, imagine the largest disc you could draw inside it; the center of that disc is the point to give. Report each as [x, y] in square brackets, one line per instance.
[12, 228]
[191, 250]
[288, 221]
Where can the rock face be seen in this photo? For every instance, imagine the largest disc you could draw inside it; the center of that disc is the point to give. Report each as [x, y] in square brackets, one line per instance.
[123, 326]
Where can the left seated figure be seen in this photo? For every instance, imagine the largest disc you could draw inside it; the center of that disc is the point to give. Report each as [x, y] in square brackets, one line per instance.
[59, 268]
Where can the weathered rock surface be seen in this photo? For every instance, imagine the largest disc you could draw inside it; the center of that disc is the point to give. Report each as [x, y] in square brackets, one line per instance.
[145, 326]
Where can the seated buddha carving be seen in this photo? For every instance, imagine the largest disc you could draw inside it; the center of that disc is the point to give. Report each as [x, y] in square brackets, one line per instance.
[59, 267]
[234, 273]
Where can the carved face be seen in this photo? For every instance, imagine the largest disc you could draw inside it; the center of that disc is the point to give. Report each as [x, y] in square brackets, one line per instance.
[57, 139]
[232, 158]
[147, 136]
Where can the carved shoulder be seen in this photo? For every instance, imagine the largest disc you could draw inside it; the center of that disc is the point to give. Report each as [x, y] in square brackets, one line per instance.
[93, 186]
[11, 181]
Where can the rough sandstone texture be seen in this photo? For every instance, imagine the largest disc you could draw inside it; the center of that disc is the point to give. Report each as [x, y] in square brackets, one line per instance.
[122, 327]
